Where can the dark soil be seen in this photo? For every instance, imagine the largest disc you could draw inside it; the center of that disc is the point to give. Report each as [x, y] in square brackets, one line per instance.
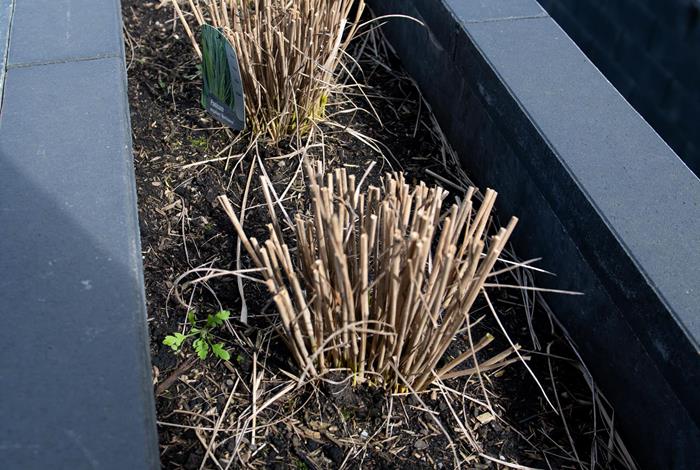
[183, 228]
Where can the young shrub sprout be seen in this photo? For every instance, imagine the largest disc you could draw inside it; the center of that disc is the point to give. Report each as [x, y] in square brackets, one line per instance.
[288, 53]
[203, 332]
[380, 281]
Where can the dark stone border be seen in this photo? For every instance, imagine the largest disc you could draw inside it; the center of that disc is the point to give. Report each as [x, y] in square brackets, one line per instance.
[607, 203]
[75, 368]
[650, 51]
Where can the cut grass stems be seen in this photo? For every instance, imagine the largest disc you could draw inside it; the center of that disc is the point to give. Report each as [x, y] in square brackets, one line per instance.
[288, 54]
[374, 285]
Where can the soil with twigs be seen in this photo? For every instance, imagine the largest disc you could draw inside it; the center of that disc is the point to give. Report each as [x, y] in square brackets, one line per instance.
[248, 412]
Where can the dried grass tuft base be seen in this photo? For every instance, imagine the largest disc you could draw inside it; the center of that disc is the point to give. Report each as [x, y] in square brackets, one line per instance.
[381, 280]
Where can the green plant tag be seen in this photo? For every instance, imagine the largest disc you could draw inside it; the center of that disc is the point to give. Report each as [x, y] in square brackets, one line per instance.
[222, 91]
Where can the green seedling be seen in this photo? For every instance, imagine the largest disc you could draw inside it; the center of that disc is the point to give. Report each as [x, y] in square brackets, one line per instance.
[346, 414]
[301, 465]
[199, 142]
[202, 331]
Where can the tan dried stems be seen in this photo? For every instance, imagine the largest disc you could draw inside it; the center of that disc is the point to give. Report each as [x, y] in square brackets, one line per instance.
[373, 284]
[288, 52]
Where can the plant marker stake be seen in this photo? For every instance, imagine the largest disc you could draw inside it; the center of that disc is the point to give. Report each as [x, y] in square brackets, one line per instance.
[222, 87]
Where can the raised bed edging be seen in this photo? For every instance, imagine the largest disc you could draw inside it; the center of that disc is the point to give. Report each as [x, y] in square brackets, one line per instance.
[650, 51]
[75, 368]
[601, 197]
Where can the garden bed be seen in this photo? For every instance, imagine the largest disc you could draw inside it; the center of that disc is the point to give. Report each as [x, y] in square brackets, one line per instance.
[229, 414]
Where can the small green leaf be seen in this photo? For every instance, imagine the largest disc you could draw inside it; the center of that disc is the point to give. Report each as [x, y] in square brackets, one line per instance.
[191, 317]
[220, 352]
[174, 341]
[170, 341]
[219, 318]
[240, 358]
[202, 348]
[223, 315]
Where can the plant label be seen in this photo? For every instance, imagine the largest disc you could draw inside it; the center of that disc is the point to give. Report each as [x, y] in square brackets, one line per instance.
[222, 90]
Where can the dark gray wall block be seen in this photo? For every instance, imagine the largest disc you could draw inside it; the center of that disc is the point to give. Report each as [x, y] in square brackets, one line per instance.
[650, 51]
[75, 368]
[60, 30]
[601, 197]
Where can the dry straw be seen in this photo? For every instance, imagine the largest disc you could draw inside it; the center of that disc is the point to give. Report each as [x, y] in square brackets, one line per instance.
[288, 52]
[374, 285]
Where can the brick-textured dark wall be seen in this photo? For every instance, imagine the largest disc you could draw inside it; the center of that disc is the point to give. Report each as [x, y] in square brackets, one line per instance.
[650, 51]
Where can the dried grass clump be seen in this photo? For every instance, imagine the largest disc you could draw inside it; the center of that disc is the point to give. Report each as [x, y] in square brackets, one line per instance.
[374, 284]
[288, 52]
